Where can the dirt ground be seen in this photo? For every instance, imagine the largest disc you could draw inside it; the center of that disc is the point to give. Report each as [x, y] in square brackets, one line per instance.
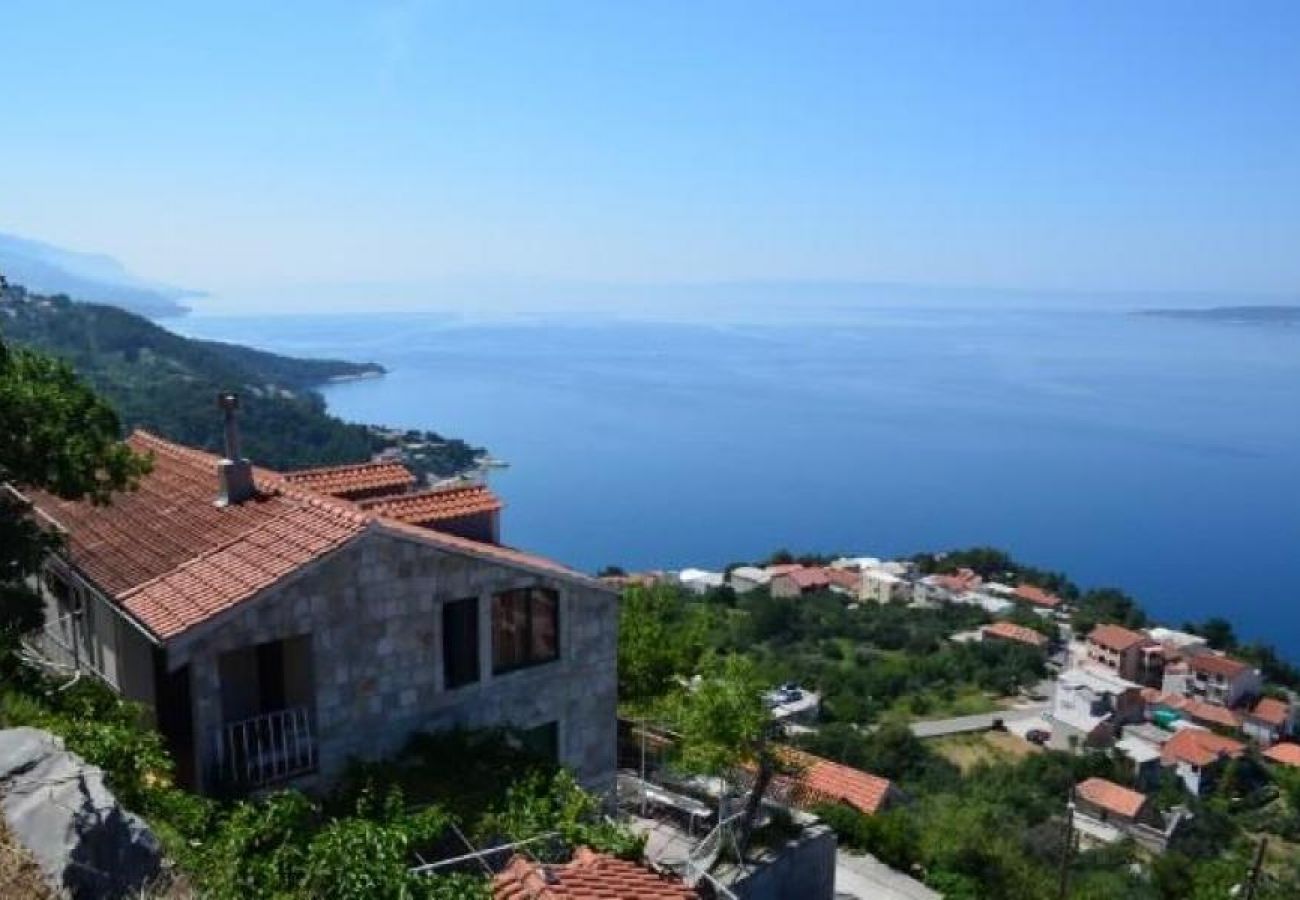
[969, 750]
[20, 877]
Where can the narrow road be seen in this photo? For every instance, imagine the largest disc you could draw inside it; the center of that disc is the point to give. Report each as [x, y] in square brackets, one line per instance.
[860, 876]
[933, 728]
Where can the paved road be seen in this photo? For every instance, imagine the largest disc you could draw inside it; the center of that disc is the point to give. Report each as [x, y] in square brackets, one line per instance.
[860, 876]
[933, 728]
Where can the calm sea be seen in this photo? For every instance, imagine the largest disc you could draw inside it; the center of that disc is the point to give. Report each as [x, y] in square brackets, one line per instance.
[1156, 455]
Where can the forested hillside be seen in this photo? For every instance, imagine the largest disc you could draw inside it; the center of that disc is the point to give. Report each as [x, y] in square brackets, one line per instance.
[167, 383]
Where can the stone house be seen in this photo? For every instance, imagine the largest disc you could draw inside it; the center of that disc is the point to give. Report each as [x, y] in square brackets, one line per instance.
[276, 625]
[1198, 757]
[1106, 812]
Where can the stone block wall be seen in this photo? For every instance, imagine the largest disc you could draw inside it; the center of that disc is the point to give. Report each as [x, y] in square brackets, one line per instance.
[373, 611]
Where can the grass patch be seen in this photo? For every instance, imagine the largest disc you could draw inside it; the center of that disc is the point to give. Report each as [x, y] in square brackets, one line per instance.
[966, 751]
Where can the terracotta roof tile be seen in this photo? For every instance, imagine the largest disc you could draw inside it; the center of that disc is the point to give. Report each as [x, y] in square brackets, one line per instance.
[1037, 596]
[355, 481]
[1116, 637]
[588, 876]
[1111, 796]
[1012, 632]
[435, 505]
[816, 780]
[850, 579]
[173, 559]
[1286, 754]
[1198, 710]
[1271, 710]
[1200, 748]
[808, 578]
[1214, 664]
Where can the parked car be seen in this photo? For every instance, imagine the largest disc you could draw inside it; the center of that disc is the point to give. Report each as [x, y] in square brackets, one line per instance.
[1038, 736]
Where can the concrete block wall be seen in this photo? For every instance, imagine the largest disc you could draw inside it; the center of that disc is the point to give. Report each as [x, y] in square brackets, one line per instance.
[374, 614]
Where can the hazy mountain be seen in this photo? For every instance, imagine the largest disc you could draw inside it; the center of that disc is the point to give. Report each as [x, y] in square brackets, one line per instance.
[47, 269]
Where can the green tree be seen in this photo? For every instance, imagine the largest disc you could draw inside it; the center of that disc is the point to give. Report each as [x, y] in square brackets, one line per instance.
[658, 638]
[56, 435]
[725, 727]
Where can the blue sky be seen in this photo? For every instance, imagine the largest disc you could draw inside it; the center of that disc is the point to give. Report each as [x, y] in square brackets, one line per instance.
[1099, 145]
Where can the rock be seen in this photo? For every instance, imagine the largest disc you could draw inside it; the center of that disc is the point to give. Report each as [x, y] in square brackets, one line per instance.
[56, 805]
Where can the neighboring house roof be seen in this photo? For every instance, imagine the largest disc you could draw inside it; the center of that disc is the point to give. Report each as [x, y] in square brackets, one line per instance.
[1033, 594]
[1286, 754]
[1110, 796]
[807, 578]
[1272, 711]
[816, 780]
[1115, 637]
[588, 876]
[172, 559]
[1012, 632]
[752, 574]
[355, 480]
[783, 569]
[1198, 747]
[1208, 713]
[962, 580]
[1213, 664]
[435, 504]
[843, 578]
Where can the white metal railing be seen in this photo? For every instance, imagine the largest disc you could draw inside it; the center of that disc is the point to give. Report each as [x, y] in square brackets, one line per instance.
[272, 747]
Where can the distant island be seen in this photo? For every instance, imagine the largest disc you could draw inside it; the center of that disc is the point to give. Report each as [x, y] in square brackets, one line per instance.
[167, 383]
[1240, 315]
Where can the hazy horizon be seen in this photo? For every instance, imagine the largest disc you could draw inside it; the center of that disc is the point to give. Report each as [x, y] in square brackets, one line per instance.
[248, 150]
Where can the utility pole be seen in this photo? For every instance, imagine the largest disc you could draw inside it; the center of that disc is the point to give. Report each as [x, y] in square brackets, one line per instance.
[1252, 880]
[1067, 848]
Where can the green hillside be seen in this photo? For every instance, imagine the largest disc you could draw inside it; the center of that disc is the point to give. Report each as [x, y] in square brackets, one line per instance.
[168, 384]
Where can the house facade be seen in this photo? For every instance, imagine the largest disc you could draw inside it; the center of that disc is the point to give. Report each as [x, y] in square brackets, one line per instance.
[1119, 650]
[280, 631]
[1221, 680]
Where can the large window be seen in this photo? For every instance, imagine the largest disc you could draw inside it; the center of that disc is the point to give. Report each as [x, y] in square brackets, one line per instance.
[460, 642]
[525, 628]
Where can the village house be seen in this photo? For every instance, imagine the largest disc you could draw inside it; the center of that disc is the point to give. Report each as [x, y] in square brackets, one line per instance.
[1198, 757]
[1221, 680]
[882, 586]
[744, 579]
[1118, 649]
[1037, 597]
[275, 625]
[799, 581]
[1287, 754]
[847, 582]
[1090, 705]
[1269, 721]
[1015, 634]
[811, 780]
[1168, 708]
[1107, 812]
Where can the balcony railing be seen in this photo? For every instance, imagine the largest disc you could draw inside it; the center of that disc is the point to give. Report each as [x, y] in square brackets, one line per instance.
[266, 749]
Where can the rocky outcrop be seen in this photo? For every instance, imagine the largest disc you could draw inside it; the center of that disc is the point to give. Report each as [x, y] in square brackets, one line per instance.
[56, 805]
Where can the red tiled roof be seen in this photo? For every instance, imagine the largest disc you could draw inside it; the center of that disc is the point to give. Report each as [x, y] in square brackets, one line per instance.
[1116, 637]
[963, 580]
[435, 505]
[173, 559]
[783, 569]
[1037, 596]
[1200, 748]
[818, 780]
[356, 480]
[1012, 632]
[588, 876]
[1286, 754]
[845, 578]
[1199, 710]
[1111, 796]
[808, 578]
[1271, 710]
[1213, 664]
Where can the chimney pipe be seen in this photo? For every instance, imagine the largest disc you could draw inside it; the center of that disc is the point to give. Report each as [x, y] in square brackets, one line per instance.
[234, 473]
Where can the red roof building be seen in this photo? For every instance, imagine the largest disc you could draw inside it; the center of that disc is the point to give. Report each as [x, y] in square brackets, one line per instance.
[355, 482]
[814, 780]
[1112, 797]
[1284, 754]
[588, 876]
[1007, 631]
[1199, 748]
[1037, 596]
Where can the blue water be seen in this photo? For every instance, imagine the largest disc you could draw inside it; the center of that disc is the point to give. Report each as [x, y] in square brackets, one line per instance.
[1155, 455]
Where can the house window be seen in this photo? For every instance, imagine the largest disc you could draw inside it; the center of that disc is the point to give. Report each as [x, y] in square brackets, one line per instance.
[460, 642]
[525, 628]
